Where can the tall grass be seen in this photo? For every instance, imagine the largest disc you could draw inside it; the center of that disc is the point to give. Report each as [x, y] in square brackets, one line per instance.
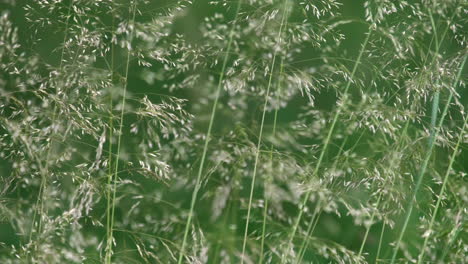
[444, 184]
[431, 140]
[325, 144]
[45, 173]
[115, 175]
[110, 190]
[260, 131]
[208, 134]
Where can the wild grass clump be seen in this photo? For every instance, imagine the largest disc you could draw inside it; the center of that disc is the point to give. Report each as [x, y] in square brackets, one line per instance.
[249, 131]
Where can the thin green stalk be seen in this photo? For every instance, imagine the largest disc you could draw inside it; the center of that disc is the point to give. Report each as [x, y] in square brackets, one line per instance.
[229, 207]
[334, 166]
[457, 229]
[111, 128]
[265, 210]
[119, 138]
[318, 210]
[422, 171]
[422, 81]
[433, 132]
[368, 228]
[257, 155]
[380, 243]
[326, 143]
[208, 136]
[45, 169]
[310, 230]
[418, 183]
[442, 190]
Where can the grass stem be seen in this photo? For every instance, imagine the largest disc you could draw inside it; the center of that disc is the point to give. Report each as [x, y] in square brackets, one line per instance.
[257, 155]
[423, 168]
[110, 240]
[326, 143]
[442, 190]
[265, 209]
[208, 136]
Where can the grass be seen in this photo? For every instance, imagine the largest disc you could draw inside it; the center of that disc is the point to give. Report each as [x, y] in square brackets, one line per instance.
[232, 132]
[444, 184]
[260, 133]
[431, 143]
[326, 143]
[45, 169]
[207, 138]
[115, 175]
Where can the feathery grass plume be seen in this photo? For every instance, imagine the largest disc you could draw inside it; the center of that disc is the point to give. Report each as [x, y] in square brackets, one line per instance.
[129, 131]
[77, 157]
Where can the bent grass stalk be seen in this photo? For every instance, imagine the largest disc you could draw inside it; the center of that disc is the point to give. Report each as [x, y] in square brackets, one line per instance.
[110, 238]
[402, 135]
[326, 143]
[316, 216]
[318, 211]
[208, 135]
[423, 168]
[260, 134]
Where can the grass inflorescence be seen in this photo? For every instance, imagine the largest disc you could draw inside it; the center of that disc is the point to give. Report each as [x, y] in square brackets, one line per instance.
[249, 131]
